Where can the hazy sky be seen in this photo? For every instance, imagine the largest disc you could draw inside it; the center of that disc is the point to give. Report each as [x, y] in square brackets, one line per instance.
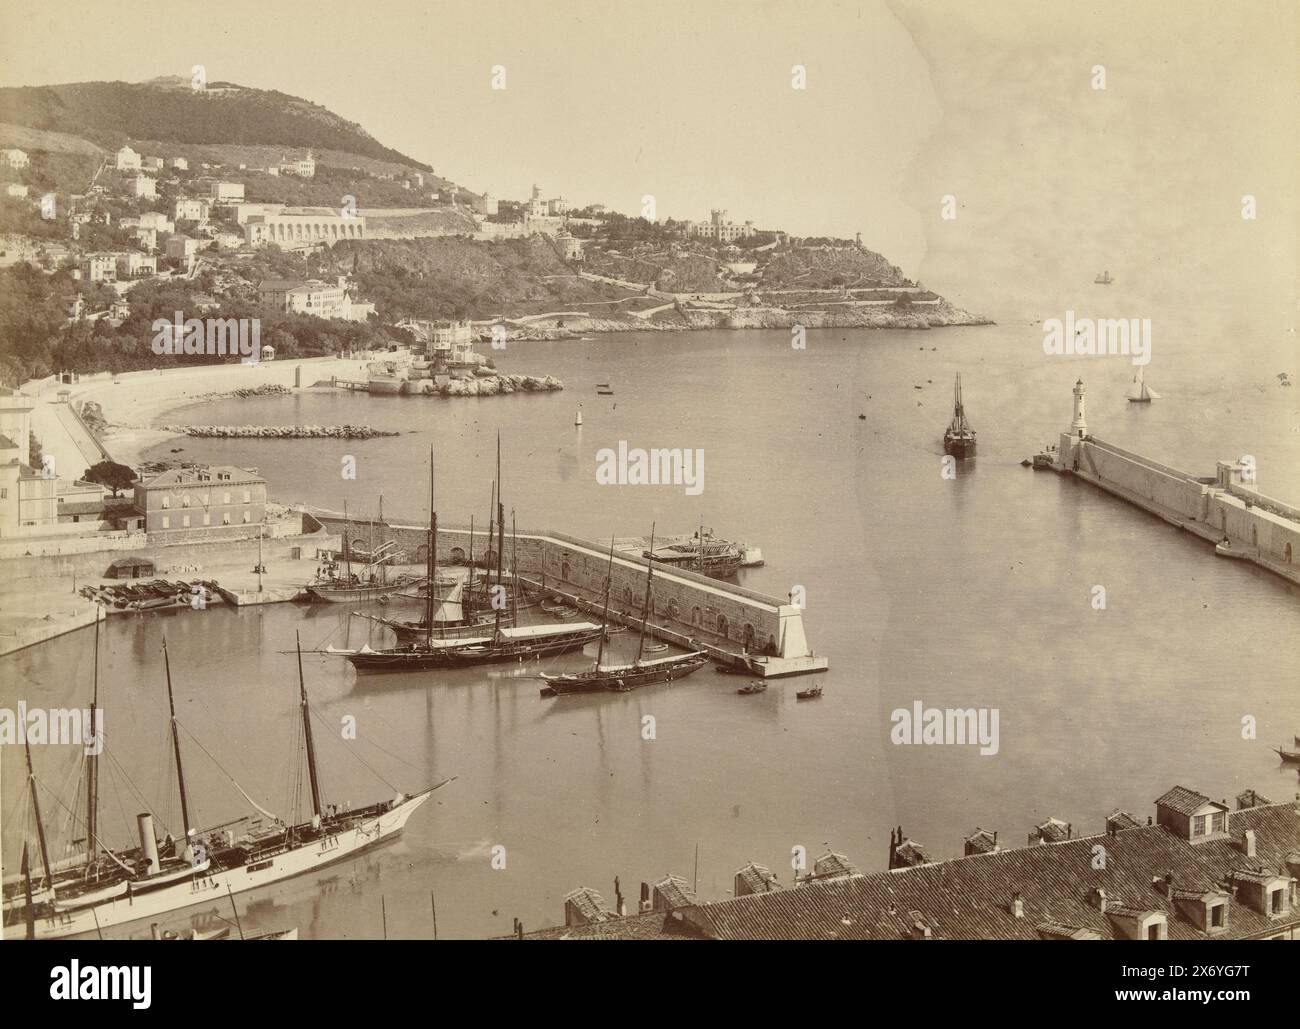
[692, 102]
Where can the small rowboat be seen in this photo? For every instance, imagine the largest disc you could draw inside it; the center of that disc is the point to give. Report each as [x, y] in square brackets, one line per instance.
[1291, 757]
[809, 694]
[752, 688]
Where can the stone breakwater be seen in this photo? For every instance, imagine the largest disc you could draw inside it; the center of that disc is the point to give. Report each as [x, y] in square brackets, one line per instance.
[277, 431]
[497, 385]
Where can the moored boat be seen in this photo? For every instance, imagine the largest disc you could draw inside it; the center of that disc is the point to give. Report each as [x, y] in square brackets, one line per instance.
[959, 437]
[812, 693]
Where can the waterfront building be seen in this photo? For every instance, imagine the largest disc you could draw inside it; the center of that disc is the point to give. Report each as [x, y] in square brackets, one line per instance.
[1198, 871]
[198, 498]
[314, 297]
[14, 158]
[28, 498]
[126, 159]
[292, 227]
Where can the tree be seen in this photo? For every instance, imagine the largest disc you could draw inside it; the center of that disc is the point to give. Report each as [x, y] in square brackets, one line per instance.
[116, 477]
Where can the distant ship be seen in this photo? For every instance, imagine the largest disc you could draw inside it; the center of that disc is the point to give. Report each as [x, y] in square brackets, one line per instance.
[959, 438]
[1103, 279]
[1142, 395]
[704, 553]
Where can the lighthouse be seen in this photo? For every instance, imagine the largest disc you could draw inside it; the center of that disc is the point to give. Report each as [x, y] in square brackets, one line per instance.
[1078, 427]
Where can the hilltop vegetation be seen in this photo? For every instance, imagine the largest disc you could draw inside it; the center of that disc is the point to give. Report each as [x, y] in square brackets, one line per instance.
[111, 113]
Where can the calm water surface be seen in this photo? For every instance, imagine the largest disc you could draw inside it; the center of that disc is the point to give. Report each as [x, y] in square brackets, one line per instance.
[966, 593]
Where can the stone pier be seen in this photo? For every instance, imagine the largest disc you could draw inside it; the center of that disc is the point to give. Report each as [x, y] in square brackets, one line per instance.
[732, 623]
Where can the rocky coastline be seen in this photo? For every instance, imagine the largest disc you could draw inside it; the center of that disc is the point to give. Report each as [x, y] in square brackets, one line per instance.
[276, 431]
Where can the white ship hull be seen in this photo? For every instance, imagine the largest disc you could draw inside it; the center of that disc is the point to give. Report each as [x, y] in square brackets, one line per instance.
[211, 886]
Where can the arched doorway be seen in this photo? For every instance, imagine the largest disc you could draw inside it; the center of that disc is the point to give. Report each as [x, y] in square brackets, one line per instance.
[697, 616]
[748, 637]
[564, 571]
[457, 556]
[1286, 552]
[724, 627]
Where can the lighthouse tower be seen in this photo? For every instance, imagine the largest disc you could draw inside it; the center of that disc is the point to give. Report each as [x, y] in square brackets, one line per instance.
[1078, 427]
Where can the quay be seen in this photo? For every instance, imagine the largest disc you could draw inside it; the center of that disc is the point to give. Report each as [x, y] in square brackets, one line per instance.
[1226, 509]
[735, 625]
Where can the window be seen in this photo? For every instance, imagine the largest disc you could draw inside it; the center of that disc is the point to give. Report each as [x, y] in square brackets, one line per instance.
[248, 496]
[1275, 902]
[167, 522]
[1216, 916]
[167, 502]
[1199, 825]
[185, 521]
[225, 518]
[248, 518]
[4, 494]
[225, 498]
[1217, 821]
[185, 500]
[207, 518]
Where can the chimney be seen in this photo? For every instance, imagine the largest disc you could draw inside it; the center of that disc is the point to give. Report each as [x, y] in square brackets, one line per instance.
[620, 905]
[148, 843]
[519, 929]
[1099, 899]
[645, 904]
[1017, 906]
[1250, 843]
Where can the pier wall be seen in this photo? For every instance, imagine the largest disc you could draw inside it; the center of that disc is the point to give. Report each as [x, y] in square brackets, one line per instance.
[686, 604]
[1221, 507]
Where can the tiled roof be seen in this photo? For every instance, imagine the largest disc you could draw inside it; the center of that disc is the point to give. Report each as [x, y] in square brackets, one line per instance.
[588, 903]
[654, 925]
[981, 841]
[673, 892]
[190, 477]
[758, 878]
[832, 864]
[1183, 800]
[968, 898]
[1118, 821]
[1053, 831]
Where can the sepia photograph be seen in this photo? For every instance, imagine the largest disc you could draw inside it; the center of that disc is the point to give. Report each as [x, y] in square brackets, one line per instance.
[728, 470]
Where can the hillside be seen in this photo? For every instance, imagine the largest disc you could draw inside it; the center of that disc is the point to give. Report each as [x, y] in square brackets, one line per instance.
[110, 113]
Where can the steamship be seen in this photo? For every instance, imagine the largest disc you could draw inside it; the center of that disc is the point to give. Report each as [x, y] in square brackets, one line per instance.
[105, 887]
[959, 438]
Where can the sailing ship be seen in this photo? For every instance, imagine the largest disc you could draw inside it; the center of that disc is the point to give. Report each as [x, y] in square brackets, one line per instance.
[333, 586]
[110, 887]
[626, 676]
[959, 437]
[704, 552]
[1103, 279]
[1142, 395]
[514, 643]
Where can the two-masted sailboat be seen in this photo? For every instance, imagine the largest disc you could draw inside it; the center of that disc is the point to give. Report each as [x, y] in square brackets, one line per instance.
[477, 645]
[641, 672]
[337, 585]
[1143, 394]
[959, 437]
[108, 887]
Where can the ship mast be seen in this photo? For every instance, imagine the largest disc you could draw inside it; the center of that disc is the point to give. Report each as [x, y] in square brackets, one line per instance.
[604, 614]
[36, 810]
[176, 746]
[347, 553]
[514, 572]
[306, 729]
[645, 609]
[431, 566]
[92, 769]
[501, 538]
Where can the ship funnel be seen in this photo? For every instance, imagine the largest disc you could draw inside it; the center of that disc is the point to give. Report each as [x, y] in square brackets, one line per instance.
[148, 843]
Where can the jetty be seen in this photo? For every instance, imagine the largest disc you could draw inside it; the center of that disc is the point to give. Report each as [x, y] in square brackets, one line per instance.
[1226, 509]
[733, 624]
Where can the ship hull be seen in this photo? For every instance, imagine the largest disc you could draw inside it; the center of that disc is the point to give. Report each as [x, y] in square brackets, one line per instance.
[349, 594]
[212, 886]
[422, 660]
[623, 681]
[959, 448]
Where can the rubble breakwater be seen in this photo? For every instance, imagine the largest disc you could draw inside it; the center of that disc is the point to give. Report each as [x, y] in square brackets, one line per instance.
[277, 431]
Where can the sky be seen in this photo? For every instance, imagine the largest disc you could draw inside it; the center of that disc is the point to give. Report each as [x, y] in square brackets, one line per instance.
[906, 102]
